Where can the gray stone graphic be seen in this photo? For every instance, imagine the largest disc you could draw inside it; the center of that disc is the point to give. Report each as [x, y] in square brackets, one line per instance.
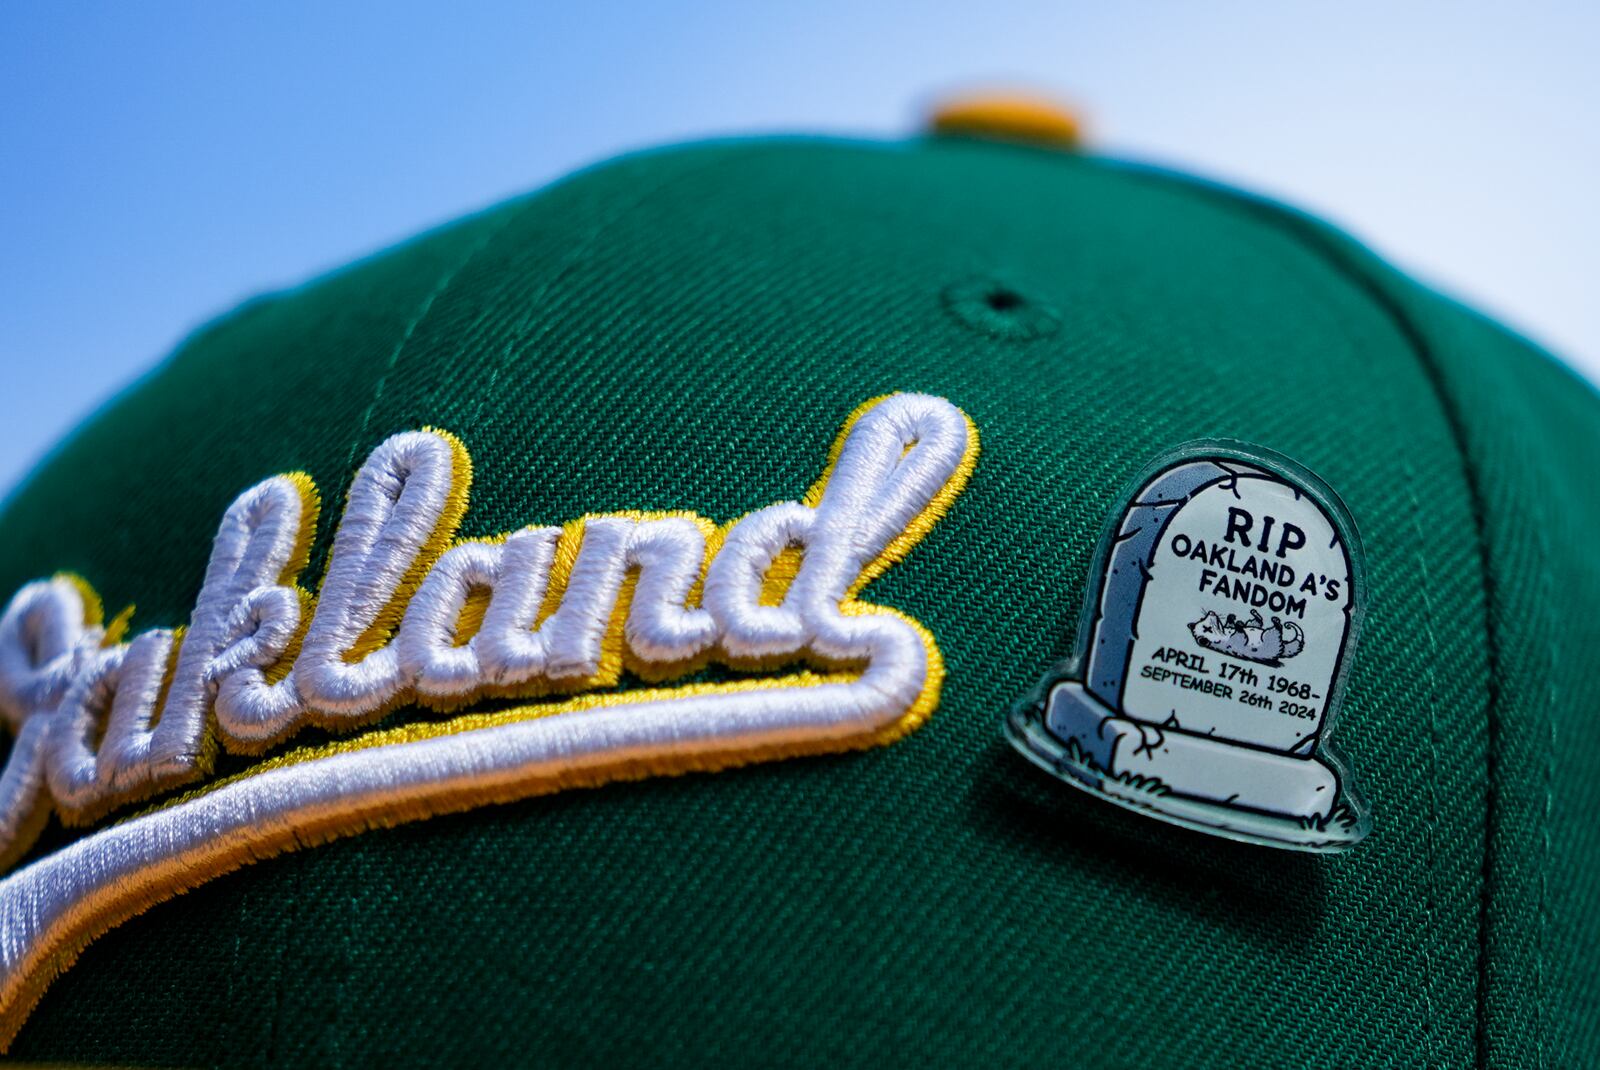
[1212, 657]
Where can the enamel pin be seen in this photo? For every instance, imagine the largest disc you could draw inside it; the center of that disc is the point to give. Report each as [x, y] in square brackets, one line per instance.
[1221, 617]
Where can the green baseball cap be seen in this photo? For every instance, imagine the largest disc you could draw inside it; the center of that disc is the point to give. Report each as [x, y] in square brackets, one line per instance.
[601, 631]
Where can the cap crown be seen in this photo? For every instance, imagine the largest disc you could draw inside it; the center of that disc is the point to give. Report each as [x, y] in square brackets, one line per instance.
[686, 331]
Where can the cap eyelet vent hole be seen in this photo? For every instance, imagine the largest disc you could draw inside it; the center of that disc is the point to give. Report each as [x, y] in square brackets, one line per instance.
[999, 310]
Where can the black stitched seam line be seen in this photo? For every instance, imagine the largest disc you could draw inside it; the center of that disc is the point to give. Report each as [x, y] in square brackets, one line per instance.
[1321, 246]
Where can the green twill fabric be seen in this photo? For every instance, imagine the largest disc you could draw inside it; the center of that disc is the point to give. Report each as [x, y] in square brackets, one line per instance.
[688, 330]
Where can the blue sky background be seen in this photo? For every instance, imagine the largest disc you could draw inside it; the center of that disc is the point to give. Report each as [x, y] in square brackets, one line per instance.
[161, 161]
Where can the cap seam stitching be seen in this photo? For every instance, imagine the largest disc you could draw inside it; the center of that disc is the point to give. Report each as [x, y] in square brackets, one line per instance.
[537, 326]
[1305, 234]
[420, 313]
[424, 307]
[572, 257]
[1430, 904]
[1422, 351]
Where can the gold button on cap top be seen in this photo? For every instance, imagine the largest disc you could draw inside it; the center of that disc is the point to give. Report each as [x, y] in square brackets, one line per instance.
[1019, 117]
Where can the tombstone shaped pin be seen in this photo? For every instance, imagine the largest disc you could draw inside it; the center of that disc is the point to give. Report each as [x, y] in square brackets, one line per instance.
[1221, 617]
